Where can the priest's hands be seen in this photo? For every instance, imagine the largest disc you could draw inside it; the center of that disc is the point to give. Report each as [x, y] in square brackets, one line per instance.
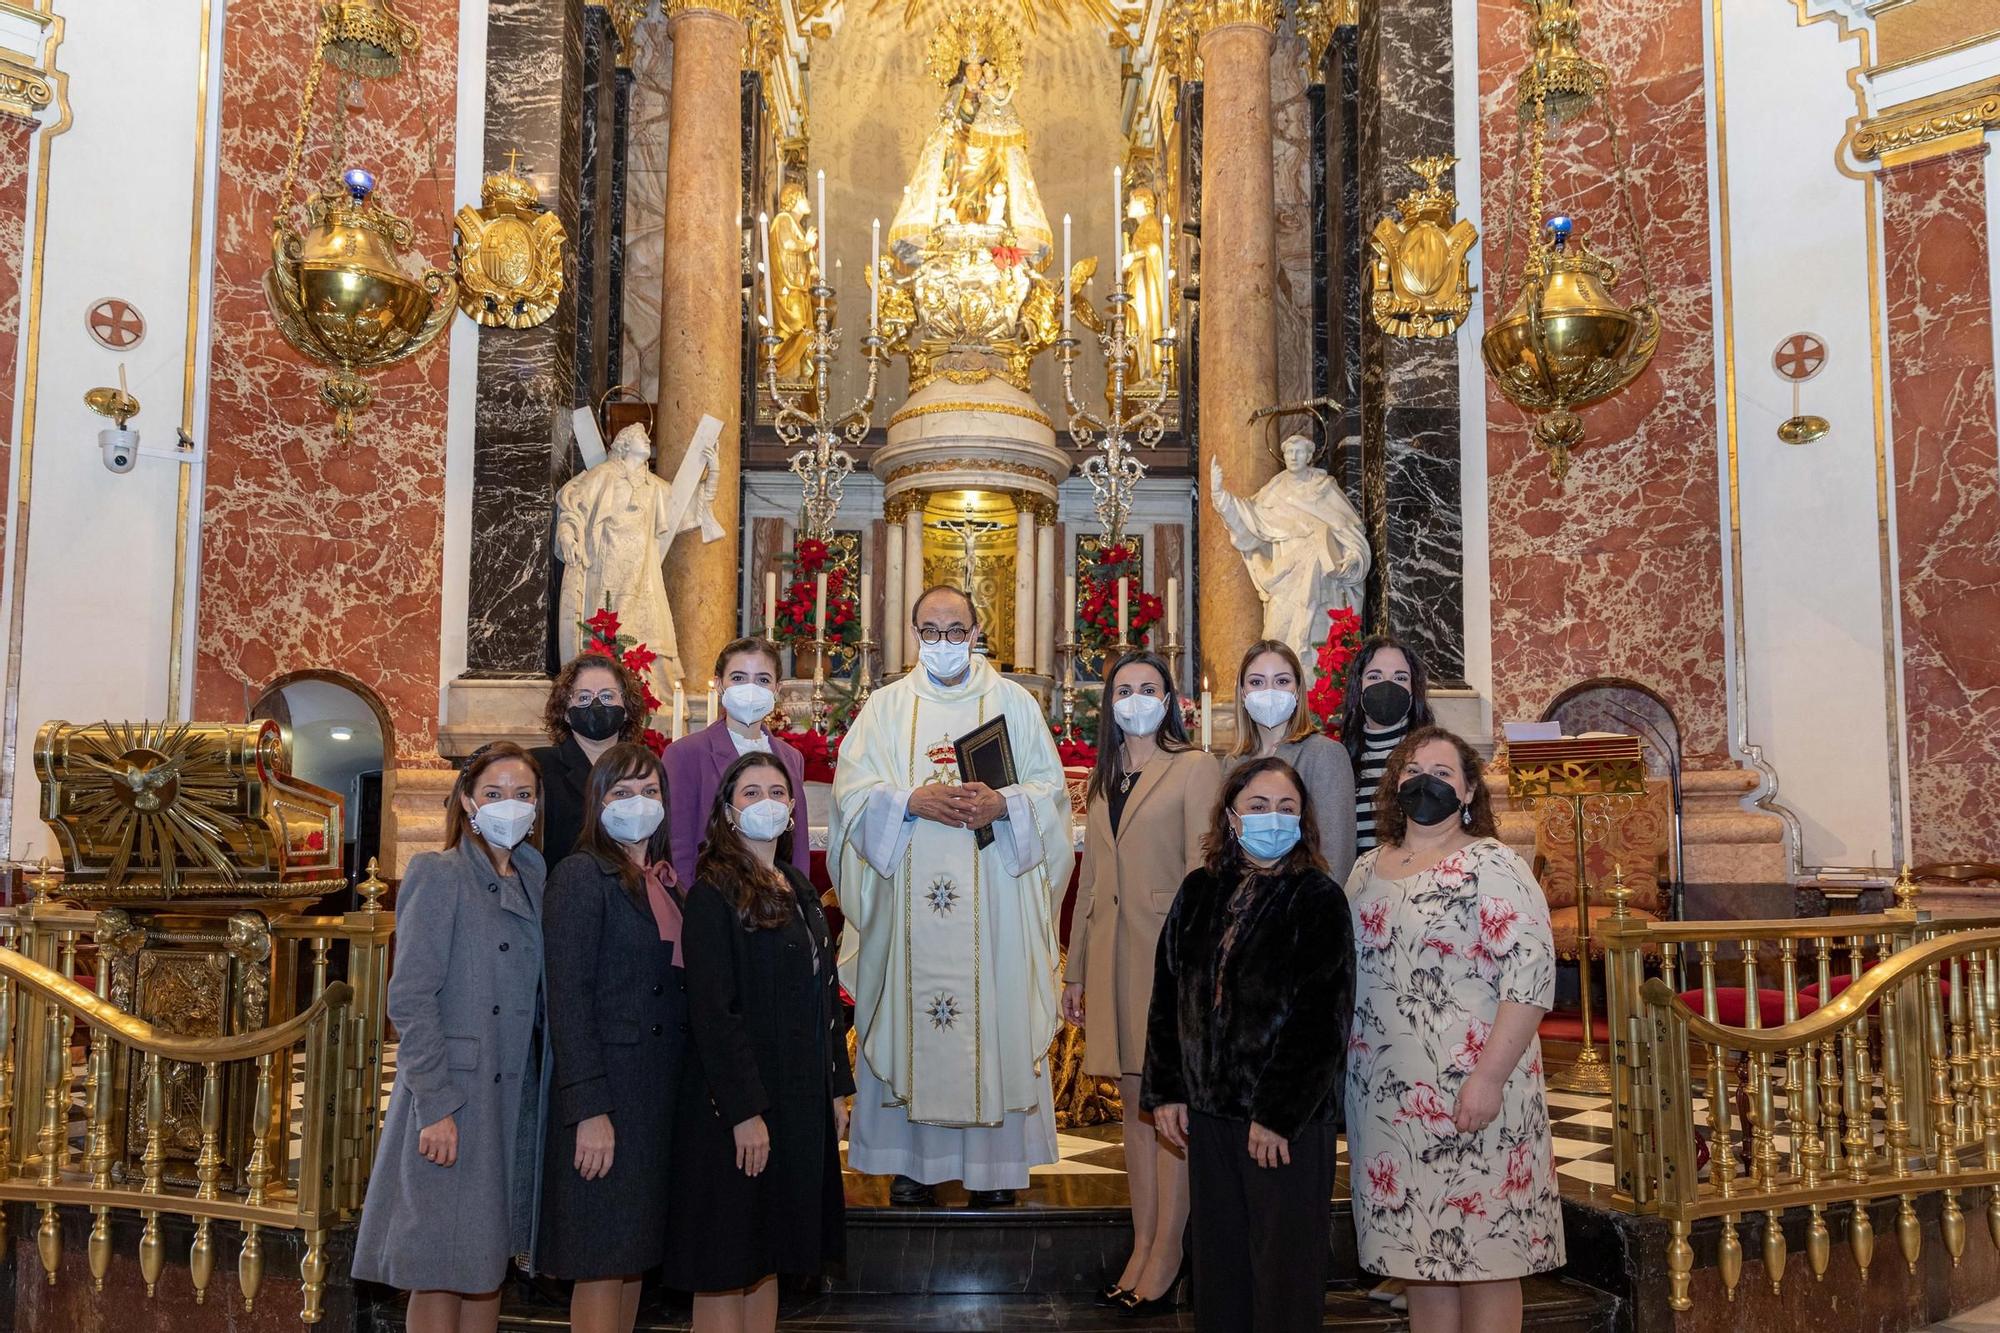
[1268, 1149]
[753, 1146]
[1170, 1123]
[594, 1143]
[1072, 1004]
[982, 804]
[973, 805]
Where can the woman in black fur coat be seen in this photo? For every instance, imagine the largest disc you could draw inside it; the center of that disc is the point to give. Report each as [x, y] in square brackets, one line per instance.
[1253, 991]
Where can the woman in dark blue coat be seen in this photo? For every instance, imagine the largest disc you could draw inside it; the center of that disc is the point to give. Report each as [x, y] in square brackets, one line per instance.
[452, 1197]
[617, 1021]
[764, 1102]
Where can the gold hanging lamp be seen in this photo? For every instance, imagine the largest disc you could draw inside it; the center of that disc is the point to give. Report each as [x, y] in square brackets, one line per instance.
[1566, 340]
[338, 285]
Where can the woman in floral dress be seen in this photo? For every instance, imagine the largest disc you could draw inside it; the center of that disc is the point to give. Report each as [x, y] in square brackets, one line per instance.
[1447, 1119]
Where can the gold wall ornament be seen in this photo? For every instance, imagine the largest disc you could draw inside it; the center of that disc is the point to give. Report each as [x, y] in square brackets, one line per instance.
[1420, 280]
[117, 404]
[1796, 360]
[1929, 127]
[509, 254]
[343, 298]
[1209, 15]
[1561, 80]
[367, 37]
[24, 90]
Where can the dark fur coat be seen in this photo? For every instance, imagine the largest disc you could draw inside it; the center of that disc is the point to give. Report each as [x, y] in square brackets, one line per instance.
[1269, 1043]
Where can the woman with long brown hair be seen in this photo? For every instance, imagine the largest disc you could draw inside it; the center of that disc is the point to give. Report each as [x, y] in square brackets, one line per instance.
[1252, 993]
[452, 1197]
[612, 919]
[1149, 803]
[1272, 720]
[763, 1104]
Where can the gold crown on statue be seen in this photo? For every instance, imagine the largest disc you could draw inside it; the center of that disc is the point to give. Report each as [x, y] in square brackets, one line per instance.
[973, 32]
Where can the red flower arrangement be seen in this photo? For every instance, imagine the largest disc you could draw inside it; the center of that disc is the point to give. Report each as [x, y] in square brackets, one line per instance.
[1329, 688]
[602, 636]
[1097, 618]
[1076, 754]
[1006, 256]
[819, 752]
[796, 607]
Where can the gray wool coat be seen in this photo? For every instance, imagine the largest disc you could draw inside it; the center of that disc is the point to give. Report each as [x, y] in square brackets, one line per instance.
[466, 998]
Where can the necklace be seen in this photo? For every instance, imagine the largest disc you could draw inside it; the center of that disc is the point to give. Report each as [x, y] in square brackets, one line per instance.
[1127, 779]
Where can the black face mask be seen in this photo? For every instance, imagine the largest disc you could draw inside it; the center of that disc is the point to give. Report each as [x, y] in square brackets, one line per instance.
[1428, 799]
[597, 721]
[1386, 703]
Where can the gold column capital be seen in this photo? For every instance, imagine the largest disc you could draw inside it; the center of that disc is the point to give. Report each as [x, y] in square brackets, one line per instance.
[734, 10]
[1930, 127]
[1212, 15]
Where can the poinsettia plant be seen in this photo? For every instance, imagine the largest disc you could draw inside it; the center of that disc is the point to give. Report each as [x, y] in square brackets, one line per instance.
[603, 636]
[1097, 618]
[796, 609]
[1329, 688]
[819, 752]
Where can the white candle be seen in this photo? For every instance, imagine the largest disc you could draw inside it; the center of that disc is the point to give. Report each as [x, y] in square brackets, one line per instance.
[680, 710]
[1066, 300]
[1118, 228]
[874, 271]
[1207, 707]
[714, 702]
[1173, 610]
[1069, 614]
[821, 220]
[764, 246]
[867, 605]
[1122, 622]
[819, 605]
[770, 604]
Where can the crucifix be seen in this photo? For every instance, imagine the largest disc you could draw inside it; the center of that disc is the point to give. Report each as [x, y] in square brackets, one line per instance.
[969, 530]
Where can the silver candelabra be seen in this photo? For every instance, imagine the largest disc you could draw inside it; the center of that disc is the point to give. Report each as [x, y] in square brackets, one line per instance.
[821, 441]
[1112, 469]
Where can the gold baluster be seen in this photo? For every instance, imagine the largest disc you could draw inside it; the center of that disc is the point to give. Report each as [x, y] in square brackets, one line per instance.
[1979, 977]
[322, 945]
[51, 1144]
[201, 1259]
[153, 1249]
[1801, 1094]
[257, 1174]
[1680, 1265]
[1939, 1059]
[6, 1078]
[312, 1274]
[250, 1265]
[1829, 1068]
[1909, 1234]
[208, 1163]
[1965, 1109]
[1764, 1144]
[1722, 1147]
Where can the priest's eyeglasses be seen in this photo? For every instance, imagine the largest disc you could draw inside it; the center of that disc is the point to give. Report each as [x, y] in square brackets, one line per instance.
[956, 634]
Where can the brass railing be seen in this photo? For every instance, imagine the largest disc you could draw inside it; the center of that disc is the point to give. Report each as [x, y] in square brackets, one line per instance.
[1890, 1089]
[281, 1120]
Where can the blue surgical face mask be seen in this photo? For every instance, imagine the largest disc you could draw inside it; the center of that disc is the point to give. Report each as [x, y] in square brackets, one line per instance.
[1268, 835]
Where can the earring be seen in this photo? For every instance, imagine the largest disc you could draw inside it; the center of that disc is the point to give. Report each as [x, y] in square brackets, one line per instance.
[790, 824]
[1465, 816]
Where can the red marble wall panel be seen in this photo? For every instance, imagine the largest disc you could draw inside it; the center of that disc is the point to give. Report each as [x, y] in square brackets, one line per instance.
[315, 554]
[1947, 475]
[16, 135]
[1619, 571]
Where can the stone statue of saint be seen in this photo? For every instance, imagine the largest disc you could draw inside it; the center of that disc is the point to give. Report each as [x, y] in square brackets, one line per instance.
[1305, 546]
[614, 523]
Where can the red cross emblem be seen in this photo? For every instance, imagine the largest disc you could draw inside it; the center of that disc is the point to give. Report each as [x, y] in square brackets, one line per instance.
[1800, 357]
[115, 324]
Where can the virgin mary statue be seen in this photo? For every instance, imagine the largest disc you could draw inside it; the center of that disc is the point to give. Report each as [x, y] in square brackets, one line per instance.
[972, 175]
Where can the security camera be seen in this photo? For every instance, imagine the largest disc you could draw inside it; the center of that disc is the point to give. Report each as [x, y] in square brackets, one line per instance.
[121, 448]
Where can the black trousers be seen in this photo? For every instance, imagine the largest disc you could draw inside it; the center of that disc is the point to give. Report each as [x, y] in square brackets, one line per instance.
[1260, 1233]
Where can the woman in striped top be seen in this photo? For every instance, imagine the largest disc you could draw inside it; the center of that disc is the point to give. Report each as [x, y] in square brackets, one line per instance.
[1384, 700]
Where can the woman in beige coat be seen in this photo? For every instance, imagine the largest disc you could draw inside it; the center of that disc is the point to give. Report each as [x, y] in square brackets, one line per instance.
[1151, 798]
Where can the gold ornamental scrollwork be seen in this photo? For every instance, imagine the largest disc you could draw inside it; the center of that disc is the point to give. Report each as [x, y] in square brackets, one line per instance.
[1003, 409]
[24, 90]
[946, 465]
[729, 9]
[1929, 128]
[510, 254]
[1420, 279]
[1211, 15]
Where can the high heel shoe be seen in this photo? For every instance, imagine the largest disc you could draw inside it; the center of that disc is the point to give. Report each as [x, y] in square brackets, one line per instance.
[1112, 1296]
[1168, 1301]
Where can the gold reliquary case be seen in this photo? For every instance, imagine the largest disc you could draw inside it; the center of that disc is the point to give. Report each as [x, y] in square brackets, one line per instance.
[1420, 274]
[148, 812]
[510, 254]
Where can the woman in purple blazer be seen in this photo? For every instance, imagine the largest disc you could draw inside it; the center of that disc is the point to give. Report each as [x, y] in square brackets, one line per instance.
[747, 670]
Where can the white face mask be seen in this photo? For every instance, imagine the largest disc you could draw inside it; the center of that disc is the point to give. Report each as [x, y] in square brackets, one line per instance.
[632, 818]
[1268, 708]
[748, 703]
[945, 661]
[504, 823]
[1139, 714]
[764, 821]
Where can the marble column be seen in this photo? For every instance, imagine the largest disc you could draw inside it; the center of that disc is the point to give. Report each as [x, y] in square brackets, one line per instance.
[913, 570]
[1409, 386]
[894, 613]
[1048, 578]
[701, 306]
[1024, 586]
[1238, 343]
[527, 377]
[1339, 234]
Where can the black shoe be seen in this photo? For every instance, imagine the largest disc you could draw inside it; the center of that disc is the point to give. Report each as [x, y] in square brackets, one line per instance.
[990, 1199]
[1112, 1296]
[1164, 1304]
[907, 1193]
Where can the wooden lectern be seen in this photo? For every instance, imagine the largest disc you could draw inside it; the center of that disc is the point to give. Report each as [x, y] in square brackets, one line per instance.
[1601, 777]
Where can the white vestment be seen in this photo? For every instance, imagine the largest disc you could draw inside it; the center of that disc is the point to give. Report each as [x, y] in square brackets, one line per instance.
[949, 951]
[1306, 550]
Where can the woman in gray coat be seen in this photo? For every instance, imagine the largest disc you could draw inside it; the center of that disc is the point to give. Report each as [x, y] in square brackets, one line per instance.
[1272, 720]
[457, 1172]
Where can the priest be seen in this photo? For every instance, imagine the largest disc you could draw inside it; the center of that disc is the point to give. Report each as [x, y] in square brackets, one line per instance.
[949, 949]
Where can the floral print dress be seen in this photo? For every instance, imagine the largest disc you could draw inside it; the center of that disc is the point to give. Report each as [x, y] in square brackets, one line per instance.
[1436, 953]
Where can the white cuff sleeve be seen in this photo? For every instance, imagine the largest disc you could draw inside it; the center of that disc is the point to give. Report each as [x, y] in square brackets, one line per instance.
[1020, 837]
[885, 828]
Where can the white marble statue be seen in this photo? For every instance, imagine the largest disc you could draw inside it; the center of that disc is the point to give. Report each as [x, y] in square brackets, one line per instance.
[614, 523]
[1305, 546]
